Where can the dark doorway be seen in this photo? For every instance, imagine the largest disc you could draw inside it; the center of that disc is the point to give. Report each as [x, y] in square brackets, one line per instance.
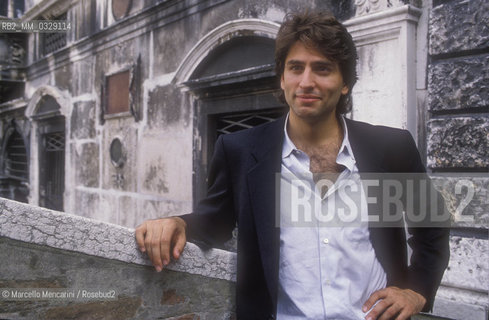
[52, 163]
[236, 87]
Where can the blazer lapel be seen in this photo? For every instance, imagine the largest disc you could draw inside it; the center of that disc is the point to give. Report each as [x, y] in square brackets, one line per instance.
[264, 193]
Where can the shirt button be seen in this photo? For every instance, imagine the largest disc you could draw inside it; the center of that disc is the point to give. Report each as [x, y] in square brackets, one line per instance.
[326, 240]
[328, 282]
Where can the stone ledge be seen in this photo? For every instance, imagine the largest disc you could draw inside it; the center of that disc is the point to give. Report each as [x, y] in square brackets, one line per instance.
[66, 231]
[138, 291]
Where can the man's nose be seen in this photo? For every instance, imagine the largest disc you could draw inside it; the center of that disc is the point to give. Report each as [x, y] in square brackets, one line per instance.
[307, 79]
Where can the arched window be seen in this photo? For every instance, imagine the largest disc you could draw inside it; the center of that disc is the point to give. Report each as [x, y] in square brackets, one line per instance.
[15, 168]
[15, 165]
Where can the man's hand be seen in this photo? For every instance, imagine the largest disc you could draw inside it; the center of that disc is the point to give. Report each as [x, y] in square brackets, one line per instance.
[158, 237]
[394, 303]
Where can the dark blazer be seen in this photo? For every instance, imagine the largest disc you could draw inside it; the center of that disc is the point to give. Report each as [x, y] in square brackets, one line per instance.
[242, 189]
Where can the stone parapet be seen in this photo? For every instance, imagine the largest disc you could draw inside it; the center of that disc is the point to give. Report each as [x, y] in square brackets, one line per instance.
[459, 26]
[125, 290]
[461, 142]
[65, 231]
[461, 83]
[49, 251]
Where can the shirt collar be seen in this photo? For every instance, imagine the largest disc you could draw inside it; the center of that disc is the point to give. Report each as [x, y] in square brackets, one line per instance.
[345, 154]
[288, 146]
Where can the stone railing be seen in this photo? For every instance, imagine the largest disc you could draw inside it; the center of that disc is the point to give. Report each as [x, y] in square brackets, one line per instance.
[69, 266]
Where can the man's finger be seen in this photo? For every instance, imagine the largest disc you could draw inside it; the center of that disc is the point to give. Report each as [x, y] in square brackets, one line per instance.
[404, 315]
[374, 297]
[180, 241]
[153, 236]
[165, 243]
[377, 310]
[140, 232]
[391, 312]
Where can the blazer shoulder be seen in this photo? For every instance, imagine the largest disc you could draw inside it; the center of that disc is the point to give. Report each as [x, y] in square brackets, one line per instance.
[394, 148]
[379, 137]
[376, 130]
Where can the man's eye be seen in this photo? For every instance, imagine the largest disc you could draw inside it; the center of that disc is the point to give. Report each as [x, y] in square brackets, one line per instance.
[323, 69]
[295, 68]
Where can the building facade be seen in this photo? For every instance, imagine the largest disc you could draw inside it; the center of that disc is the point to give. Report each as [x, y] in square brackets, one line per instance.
[115, 119]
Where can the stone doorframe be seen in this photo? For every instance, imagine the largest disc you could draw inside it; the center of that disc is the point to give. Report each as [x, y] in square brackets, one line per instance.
[218, 36]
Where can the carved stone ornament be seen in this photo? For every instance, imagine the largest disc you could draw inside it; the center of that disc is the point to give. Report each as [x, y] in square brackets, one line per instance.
[364, 7]
[120, 8]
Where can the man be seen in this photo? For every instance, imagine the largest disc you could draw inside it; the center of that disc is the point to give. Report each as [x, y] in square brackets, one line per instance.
[294, 273]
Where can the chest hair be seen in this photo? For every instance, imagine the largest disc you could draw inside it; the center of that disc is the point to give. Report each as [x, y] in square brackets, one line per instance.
[323, 163]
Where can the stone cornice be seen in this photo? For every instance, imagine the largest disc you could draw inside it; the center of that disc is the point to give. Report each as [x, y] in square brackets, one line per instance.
[47, 9]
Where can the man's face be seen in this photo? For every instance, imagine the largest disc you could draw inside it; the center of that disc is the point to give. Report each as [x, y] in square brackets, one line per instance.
[312, 83]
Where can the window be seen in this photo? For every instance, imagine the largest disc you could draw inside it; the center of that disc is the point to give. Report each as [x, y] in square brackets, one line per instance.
[16, 158]
[14, 175]
[12, 8]
[53, 41]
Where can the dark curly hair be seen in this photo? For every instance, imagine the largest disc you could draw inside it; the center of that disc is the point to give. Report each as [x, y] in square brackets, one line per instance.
[322, 32]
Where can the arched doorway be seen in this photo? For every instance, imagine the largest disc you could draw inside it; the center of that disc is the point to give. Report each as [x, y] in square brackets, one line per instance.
[47, 113]
[233, 85]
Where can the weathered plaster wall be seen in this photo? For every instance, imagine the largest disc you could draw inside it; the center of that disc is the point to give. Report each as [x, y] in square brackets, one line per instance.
[156, 179]
[53, 250]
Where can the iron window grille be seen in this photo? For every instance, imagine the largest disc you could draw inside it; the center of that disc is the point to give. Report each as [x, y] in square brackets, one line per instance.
[55, 141]
[236, 122]
[54, 41]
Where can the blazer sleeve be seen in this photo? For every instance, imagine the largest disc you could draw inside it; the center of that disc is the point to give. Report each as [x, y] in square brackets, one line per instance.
[213, 221]
[429, 239]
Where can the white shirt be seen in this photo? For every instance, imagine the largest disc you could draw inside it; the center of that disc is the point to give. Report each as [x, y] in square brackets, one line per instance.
[327, 269]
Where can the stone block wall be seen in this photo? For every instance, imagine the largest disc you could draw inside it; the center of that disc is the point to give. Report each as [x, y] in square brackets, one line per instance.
[100, 272]
[458, 146]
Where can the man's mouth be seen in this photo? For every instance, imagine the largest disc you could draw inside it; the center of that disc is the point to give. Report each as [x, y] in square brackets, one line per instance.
[308, 97]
